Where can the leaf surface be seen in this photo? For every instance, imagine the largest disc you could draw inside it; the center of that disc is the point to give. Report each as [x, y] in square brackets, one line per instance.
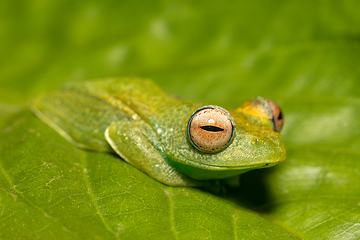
[304, 55]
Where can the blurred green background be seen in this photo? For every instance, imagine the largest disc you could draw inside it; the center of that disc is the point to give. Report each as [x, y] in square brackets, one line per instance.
[304, 55]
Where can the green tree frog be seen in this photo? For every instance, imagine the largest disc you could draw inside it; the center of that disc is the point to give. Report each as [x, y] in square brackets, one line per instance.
[176, 142]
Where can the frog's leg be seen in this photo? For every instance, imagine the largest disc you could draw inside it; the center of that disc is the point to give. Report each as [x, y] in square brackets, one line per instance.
[80, 117]
[137, 144]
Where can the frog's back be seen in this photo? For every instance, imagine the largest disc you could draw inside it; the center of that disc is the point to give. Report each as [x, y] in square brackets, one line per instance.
[82, 111]
[134, 95]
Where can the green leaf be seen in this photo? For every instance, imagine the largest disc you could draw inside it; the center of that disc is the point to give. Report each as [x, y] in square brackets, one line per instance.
[52, 189]
[302, 54]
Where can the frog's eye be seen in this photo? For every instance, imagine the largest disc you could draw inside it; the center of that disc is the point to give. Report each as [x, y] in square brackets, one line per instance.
[265, 110]
[210, 129]
[277, 119]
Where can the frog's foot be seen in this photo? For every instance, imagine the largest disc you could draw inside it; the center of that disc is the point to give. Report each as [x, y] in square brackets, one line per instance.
[233, 181]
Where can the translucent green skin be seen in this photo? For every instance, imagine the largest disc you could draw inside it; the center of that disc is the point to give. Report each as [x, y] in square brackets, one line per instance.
[148, 129]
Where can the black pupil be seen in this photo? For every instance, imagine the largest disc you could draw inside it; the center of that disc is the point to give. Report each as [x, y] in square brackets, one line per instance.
[212, 128]
[280, 115]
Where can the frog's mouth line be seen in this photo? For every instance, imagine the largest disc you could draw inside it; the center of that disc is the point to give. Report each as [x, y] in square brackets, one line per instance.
[264, 164]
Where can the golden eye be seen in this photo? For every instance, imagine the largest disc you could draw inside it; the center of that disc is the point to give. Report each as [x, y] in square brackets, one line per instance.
[210, 129]
[277, 116]
[265, 110]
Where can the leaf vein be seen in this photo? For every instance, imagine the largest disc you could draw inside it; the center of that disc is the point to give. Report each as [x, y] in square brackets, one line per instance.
[171, 212]
[93, 199]
[11, 184]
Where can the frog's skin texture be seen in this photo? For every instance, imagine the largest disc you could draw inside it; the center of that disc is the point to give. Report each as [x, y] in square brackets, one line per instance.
[148, 128]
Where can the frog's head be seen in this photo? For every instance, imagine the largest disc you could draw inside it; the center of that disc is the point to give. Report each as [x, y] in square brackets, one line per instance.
[221, 143]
